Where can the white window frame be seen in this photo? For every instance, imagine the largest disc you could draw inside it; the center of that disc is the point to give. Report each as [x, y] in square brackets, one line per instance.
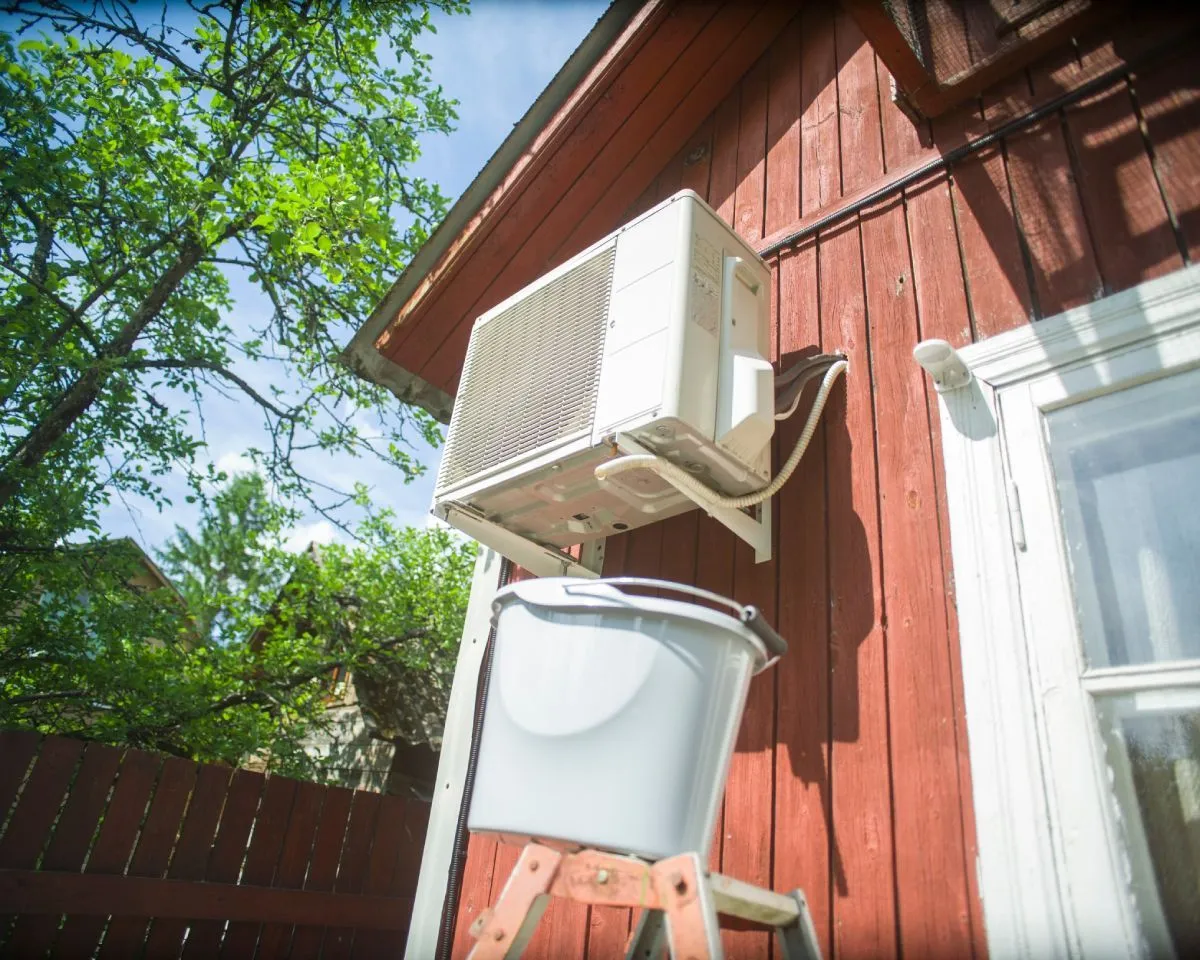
[1035, 895]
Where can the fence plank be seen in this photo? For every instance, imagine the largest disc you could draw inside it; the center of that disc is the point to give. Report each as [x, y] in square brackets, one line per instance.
[266, 844]
[306, 940]
[389, 832]
[39, 802]
[191, 853]
[102, 895]
[125, 934]
[293, 861]
[352, 869]
[204, 939]
[118, 833]
[17, 750]
[34, 935]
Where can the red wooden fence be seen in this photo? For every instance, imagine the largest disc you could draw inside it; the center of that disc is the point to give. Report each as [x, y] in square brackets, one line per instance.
[114, 852]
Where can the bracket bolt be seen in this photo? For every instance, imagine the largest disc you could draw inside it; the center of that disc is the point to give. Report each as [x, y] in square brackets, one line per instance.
[602, 876]
[533, 866]
[498, 935]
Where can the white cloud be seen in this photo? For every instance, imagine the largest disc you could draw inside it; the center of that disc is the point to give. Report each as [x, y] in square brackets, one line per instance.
[232, 463]
[320, 531]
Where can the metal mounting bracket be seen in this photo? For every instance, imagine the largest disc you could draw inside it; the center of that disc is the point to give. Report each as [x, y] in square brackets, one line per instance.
[754, 528]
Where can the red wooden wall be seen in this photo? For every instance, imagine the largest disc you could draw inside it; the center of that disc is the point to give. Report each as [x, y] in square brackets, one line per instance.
[851, 778]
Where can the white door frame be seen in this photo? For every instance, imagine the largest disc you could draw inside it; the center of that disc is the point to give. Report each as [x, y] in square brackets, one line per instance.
[1024, 878]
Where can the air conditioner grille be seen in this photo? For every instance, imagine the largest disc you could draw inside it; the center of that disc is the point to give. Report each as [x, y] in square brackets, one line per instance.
[531, 373]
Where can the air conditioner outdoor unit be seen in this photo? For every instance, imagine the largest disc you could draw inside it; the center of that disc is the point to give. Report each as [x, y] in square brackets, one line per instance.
[651, 345]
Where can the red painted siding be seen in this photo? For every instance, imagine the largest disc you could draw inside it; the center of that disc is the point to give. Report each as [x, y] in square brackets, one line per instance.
[851, 778]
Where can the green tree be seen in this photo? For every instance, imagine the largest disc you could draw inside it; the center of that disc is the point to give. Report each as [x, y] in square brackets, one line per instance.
[145, 157]
[229, 557]
[82, 653]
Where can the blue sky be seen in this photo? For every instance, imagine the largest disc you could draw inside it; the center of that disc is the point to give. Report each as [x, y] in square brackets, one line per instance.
[495, 62]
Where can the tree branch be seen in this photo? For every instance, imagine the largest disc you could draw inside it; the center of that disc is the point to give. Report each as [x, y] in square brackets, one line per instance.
[197, 363]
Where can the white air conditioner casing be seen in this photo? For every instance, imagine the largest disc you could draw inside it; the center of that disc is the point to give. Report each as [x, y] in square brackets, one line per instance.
[656, 337]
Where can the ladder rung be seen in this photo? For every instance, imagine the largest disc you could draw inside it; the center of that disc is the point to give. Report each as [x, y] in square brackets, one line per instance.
[738, 899]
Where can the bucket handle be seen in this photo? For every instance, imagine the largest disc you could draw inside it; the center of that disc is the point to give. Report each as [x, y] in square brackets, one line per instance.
[749, 615]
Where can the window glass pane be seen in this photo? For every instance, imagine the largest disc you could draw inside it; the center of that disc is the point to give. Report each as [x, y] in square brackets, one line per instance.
[1127, 470]
[1153, 741]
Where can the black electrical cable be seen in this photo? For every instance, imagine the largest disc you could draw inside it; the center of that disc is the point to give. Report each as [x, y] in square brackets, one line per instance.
[458, 857]
[952, 157]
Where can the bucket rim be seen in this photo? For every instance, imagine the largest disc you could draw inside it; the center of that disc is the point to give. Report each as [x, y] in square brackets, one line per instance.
[582, 593]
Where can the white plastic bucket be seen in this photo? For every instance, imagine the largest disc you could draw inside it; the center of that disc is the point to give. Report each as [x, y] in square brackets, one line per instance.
[611, 717]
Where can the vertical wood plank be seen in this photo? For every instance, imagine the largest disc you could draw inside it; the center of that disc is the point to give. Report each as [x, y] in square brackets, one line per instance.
[125, 935]
[820, 146]
[697, 158]
[408, 862]
[80, 934]
[802, 855]
[225, 861]
[262, 857]
[1120, 194]
[294, 856]
[389, 831]
[191, 853]
[996, 280]
[34, 934]
[749, 194]
[1169, 95]
[931, 885]
[864, 913]
[475, 895]
[749, 789]
[17, 750]
[28, 830]
[782, 205]
[722, 176]
[352, 868]
[323, 865]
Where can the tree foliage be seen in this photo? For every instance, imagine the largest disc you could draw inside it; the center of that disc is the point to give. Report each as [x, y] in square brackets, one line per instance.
[153, 157]
[87, 652]
[146, 157]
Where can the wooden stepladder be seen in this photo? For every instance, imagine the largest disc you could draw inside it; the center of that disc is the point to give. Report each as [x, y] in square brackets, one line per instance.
[680, 902]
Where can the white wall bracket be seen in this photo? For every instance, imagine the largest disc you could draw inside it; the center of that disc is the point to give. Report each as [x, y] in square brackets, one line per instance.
[754, 528]
[943, 363]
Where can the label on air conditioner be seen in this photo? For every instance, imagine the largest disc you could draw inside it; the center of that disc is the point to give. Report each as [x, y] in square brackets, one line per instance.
[705, 301]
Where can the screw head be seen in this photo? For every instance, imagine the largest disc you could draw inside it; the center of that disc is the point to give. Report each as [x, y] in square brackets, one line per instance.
[679, 883]
[498, 935]
[533, 866]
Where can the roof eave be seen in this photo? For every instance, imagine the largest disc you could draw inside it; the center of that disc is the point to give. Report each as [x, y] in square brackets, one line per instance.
[361, 354]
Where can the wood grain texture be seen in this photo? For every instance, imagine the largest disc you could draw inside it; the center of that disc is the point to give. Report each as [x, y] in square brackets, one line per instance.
[1169, 97]
[352, 867]
[782, 186]
[323, 867]
[126, 934]
[228, 851]
[294, 855]
[33, 935]
[864, 915]
[803, 811]
[114, 844]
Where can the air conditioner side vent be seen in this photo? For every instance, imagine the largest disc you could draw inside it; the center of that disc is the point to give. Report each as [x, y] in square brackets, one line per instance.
[532, 372]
